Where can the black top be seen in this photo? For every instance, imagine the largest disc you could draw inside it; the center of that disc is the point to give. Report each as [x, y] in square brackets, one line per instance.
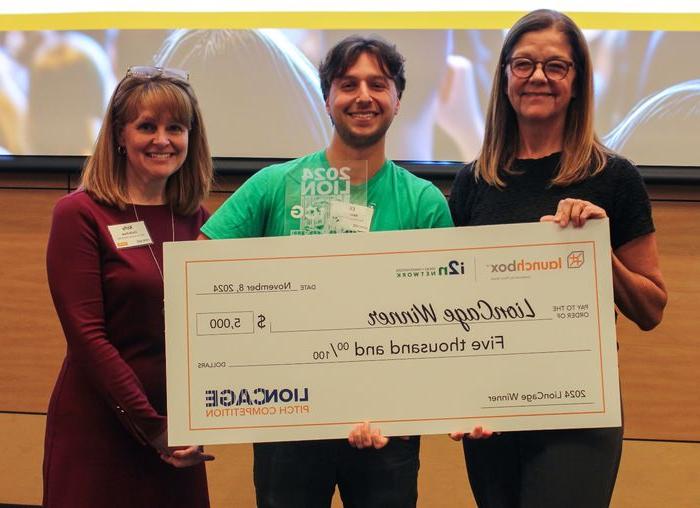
[618, 189]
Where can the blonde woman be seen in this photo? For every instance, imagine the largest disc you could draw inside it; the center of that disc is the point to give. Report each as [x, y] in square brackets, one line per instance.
[144, 185]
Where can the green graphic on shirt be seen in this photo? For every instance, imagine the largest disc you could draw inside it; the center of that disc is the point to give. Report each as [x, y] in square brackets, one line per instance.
[309, 192]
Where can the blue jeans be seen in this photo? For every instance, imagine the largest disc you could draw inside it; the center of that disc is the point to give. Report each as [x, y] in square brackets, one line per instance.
[304, 474]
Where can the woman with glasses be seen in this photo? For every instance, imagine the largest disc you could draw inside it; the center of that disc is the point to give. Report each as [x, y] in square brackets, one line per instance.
[106, 437]
[541, 161]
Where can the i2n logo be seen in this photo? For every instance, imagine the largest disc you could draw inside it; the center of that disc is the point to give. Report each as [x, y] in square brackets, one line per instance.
[453, 267]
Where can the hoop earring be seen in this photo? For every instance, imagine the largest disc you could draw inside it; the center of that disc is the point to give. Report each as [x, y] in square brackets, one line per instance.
[121, 150]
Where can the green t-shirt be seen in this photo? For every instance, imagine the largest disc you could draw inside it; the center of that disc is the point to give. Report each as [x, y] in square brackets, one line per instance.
[262, 205]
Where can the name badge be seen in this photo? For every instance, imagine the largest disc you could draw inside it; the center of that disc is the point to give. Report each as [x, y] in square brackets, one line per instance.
[350, 218]
[131, 234]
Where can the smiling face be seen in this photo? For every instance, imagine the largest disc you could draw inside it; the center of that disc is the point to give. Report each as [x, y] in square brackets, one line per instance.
[362, 103]
[538, 99]
[156, 146]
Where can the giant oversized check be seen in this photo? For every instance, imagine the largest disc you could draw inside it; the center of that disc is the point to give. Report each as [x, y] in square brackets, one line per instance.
[422, 332]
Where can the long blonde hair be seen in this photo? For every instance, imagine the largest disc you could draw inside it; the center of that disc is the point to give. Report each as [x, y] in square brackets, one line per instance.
[583, 155]
[104, 173]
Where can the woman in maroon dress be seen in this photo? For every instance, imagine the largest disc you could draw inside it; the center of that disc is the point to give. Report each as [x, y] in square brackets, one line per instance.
[106, 426]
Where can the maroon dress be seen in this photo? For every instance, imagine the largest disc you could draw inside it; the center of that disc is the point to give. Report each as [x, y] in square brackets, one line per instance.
[109, 400]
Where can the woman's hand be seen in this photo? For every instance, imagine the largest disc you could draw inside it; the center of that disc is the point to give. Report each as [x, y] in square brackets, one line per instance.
[640, 292]
[576, 211]
[179, 456]
[185, 456]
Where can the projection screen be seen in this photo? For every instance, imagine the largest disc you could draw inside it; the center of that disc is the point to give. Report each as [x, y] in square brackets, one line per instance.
[259, 90]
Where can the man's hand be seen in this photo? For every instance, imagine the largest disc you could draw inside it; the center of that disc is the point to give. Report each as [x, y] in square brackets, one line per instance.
[363, 435]
[477, 432]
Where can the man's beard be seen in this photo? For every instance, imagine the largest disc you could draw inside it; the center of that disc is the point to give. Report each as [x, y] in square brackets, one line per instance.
[360, 141]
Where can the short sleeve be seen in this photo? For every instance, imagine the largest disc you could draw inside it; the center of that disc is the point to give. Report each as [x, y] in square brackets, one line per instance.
[631, 211]
[243, 214]
[458, 196]
[433, 211]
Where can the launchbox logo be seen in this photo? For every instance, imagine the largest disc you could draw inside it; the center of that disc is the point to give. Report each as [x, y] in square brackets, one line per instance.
[451, 268]
[524, 265]
[575, 259]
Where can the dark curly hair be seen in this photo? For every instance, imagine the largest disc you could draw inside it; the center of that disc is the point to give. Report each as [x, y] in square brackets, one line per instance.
[344, 54]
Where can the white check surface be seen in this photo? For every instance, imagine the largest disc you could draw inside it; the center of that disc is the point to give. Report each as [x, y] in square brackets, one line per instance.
[424, 332]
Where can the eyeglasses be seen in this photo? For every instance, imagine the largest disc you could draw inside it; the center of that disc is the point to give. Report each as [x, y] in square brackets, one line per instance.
[554, 69]
[146, 71]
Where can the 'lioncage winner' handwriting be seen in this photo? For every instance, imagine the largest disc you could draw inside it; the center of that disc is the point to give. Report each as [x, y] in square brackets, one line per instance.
[425, 313]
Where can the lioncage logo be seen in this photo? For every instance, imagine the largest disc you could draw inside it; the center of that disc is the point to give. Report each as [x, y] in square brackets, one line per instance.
[282, 401]
[452, 267]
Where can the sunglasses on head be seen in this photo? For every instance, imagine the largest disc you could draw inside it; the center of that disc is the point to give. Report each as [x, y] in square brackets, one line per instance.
[147, 71]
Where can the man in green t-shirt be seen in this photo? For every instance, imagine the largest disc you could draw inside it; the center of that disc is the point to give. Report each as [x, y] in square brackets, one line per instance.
[362, 80]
